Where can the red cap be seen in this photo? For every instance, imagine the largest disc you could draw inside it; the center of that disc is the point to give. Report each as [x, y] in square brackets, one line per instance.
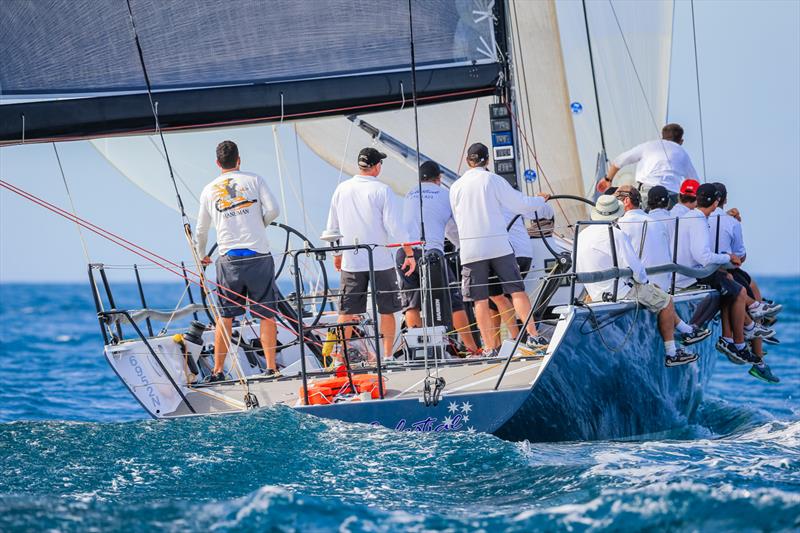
[689, 187]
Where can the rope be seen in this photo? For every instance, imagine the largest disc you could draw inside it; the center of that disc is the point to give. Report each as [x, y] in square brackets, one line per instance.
[699, 101]
[344, 155]
[466, 139]
[72, 205]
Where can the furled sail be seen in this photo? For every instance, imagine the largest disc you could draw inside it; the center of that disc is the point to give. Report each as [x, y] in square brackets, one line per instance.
[631, 42]
[210, 63]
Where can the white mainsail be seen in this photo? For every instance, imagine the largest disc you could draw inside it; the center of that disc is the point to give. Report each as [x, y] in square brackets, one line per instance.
[631, 113]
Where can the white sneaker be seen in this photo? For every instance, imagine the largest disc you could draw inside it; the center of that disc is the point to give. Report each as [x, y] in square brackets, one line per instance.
[758, 331]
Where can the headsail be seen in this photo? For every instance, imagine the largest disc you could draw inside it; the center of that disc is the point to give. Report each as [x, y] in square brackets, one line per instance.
[214, 63]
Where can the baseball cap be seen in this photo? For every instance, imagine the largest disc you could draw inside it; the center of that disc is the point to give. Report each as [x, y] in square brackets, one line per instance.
[689, 187]
[629, 191]
[707, 193]
[722, 190]
[429, 170]
[369, 157]
[478, 152]
[658, 196]
[611, 191]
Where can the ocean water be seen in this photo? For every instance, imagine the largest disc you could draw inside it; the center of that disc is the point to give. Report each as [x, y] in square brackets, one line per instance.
[78, 454]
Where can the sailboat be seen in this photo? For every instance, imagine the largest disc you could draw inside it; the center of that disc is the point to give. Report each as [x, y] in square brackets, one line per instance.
[343, 75]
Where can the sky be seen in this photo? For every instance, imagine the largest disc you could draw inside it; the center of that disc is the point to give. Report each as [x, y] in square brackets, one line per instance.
[749, 57]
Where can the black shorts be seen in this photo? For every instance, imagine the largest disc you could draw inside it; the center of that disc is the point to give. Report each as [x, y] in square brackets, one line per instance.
[411, 294]
[475, 277]
[728, 288]
[743, 278]
[355, 285]
[253, 277]
[524, 264]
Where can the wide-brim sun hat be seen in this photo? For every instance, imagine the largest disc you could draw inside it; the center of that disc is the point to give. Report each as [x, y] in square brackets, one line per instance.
[607, 208]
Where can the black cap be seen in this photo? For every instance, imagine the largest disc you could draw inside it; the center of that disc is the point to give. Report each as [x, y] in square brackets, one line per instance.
[429, 171]
[722, 190]
[611, 191]
[478, 153]
[369, 157]
[707, 194]
[657, 197]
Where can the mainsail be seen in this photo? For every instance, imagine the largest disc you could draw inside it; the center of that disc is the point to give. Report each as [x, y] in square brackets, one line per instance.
[631, 43]
[83, 65]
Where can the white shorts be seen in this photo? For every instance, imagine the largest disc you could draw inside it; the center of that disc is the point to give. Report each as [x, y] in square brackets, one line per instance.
[650, 296]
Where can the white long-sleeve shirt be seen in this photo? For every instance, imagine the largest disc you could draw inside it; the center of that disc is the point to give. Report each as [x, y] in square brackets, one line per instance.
[366, 210]
[641, 227]
[659, 162]
[694, 246]
[478, 199]
[594, 253]
[436, 213]
[518, 233]
[667, 221]
[731, 240]
[240, 206]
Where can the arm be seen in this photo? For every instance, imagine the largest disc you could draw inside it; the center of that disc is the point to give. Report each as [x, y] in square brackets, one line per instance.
[201, 230]
[634, 155]
[333, 227]
[737, 242]
[393, 222]
[451, 232]
[700, 245]
[516, 202]
[269, 206]
[628, 257]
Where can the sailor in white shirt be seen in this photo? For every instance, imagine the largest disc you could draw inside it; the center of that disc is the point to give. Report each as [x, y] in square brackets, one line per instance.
[687, 200]
[240, 206]
[478, 199]
[650, 239]
[439, 223]
[695, 250]
[594, 253]
[657, 202]
[366, 211]
[659, 162]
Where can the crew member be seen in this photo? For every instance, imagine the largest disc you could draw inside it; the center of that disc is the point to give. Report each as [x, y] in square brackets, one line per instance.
[438, 217]
[478, 199]
[240, 206]
[594, 254]
[657, 203]
[687, 200]
[659, 162]
[650, 242]
[366, 211]
[695, 251]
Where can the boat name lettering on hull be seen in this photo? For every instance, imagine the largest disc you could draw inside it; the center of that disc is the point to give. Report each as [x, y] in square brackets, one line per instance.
[429, 424]
[151, 393]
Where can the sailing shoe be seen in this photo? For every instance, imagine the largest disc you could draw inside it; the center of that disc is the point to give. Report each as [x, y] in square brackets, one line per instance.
[728, 349]
[698, 334]
[681, 357]
[483, 354]
[771, 340]
[213, 378]
[764, 309]
[270, 373]
[536, 343]
[769, 321]
[758, 331]
[764, 373]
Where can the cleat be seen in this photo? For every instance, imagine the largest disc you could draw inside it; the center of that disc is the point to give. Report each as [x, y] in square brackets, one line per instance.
[764, 373]
[681, 357]
[698, 334]
[758, 332]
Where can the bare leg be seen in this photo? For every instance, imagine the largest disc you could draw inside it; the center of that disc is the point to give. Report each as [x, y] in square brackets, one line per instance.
[413, 318]
[758, 347]
[387, 328]
[483, 315]
[522, 305]
[727, 330]
[506, 311]
[461, 324]
[738, 314]
[756, 290]
[222, 337]
[497, 323]
[666, 322]
[268, 332]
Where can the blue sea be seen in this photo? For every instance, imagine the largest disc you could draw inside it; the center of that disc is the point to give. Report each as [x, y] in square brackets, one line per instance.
[77, 452]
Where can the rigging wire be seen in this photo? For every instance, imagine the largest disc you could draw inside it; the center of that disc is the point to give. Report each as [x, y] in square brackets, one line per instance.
[344, 154]
[300, 180]
[72, 205]
[699, 101]
[594, 77]
[280, 173]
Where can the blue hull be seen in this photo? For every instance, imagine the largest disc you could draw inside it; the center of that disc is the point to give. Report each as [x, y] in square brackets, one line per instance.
[586, 392]
[477, 412]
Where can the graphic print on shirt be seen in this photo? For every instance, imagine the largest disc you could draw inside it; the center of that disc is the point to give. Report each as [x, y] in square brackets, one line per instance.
[229, 196]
